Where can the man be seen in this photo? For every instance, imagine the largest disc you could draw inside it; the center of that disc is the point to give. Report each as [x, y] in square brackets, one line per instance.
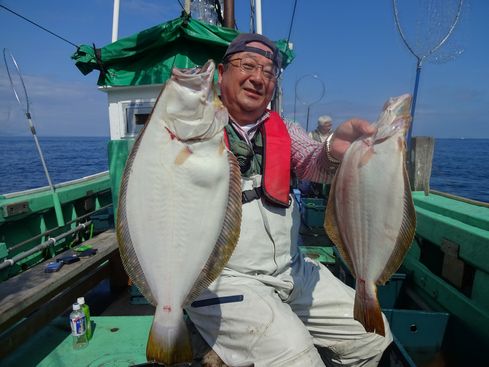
[320, 134]
[270, 306]
[323, 129]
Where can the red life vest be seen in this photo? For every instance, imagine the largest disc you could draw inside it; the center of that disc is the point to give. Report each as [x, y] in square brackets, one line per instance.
[276, 159]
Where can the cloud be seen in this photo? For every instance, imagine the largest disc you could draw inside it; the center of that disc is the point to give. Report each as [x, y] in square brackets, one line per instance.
[57, 108]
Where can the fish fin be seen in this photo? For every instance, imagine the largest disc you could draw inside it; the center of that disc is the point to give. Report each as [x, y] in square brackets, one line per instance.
[169, 339]
[331, 228]
[366, 309]
[126, 248]
[406, 233]
[183, 155]
[228, 238]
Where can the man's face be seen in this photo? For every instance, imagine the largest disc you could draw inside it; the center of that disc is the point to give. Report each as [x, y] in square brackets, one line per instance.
[246, 94]
[324, 129]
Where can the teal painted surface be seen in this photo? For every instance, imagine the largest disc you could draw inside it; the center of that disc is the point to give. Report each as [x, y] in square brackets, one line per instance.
[313, 210]
[118, 152]
[324, 255]
[440, 295]
[465, 224]
[474, 241]
[390, 291]
[417, 329]
[3, 250]
[41, 200]
[22, 230]
[480, 293]
[440, 218]
[471, 214]
[117, 341]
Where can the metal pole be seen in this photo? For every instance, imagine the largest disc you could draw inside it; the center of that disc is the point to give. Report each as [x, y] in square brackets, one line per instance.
[321, 95]
[115, 21]
[413, 105]
[295, 101]
[307, 118]
[56, 202]
[259, 28]
[229, 14]
[51, 241]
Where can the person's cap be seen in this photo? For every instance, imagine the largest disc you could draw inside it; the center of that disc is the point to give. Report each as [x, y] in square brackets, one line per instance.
[240, 44]
[324, 120]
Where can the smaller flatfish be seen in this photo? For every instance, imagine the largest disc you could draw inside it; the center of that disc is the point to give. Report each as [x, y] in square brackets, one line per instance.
[370, 214]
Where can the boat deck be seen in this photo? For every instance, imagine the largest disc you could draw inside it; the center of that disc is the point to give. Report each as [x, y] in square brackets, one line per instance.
[122, 319]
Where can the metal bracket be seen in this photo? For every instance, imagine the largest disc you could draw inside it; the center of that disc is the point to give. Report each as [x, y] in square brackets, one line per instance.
[453, 267]
[15, 209]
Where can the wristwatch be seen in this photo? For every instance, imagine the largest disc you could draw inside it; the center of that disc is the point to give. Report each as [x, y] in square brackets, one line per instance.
[331, 159]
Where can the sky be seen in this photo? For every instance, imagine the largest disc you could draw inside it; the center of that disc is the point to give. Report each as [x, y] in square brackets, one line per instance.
[349, 60]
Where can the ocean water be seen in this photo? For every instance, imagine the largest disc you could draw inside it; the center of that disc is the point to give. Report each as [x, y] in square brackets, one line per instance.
[460, 166]
[67, 158]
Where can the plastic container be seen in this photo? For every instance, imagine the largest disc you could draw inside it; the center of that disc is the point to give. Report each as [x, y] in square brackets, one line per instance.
[313, 210]
[86, 311]
[78, 327]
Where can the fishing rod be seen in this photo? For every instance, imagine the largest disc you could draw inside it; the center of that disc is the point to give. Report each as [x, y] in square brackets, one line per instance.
[26, 109]
[38, 25]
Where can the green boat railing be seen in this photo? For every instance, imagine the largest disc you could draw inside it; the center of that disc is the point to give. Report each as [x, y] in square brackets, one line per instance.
[29, 218]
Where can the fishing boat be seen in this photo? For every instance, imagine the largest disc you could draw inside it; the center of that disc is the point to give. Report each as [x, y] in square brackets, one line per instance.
[437, 303]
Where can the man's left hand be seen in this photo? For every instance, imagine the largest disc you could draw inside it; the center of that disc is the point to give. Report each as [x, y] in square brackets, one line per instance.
[347, 133]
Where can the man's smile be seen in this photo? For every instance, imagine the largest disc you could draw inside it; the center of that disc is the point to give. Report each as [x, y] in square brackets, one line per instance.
[253, 92]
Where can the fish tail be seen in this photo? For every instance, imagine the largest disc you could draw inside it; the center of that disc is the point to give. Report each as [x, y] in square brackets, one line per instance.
[367, 309]
[169, 340]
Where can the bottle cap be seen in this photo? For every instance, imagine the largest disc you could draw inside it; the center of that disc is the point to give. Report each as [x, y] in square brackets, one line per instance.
[81, 300]
[76, 306]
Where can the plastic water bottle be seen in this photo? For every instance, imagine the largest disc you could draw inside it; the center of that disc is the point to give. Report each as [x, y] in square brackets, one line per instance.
[78, 327]
[86, 311]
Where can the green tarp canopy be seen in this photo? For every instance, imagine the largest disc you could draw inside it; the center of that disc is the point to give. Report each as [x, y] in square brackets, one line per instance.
[148, 57]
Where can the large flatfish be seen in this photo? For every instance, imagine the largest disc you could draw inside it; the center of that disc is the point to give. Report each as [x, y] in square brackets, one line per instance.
[370, 214]
[179, 207]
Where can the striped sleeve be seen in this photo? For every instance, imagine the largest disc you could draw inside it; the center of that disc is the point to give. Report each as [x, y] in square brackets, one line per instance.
[309, 160]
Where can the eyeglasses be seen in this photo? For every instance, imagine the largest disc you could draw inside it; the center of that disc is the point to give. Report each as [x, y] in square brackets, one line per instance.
[249, 65]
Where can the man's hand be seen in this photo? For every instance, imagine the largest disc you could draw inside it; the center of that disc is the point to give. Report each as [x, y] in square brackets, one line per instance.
[347, 133]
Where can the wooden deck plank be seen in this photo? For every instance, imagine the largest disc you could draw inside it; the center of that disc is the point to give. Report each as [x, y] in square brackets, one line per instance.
[24, 293]
[15, 336]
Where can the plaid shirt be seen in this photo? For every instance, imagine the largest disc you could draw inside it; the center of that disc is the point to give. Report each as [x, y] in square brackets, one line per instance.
[308, 157]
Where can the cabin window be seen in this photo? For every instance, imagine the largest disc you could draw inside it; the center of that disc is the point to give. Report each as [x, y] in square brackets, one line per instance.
[136, 115]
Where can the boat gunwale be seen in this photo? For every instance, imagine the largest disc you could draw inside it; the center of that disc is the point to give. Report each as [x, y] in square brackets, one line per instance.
[60, 185]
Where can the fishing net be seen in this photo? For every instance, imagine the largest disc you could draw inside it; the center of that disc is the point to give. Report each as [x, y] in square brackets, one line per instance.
[428, 28]
[309, 90]
[433, 30]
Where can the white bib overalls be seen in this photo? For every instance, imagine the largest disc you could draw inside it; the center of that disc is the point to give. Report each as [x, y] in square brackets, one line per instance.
[281, 304]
